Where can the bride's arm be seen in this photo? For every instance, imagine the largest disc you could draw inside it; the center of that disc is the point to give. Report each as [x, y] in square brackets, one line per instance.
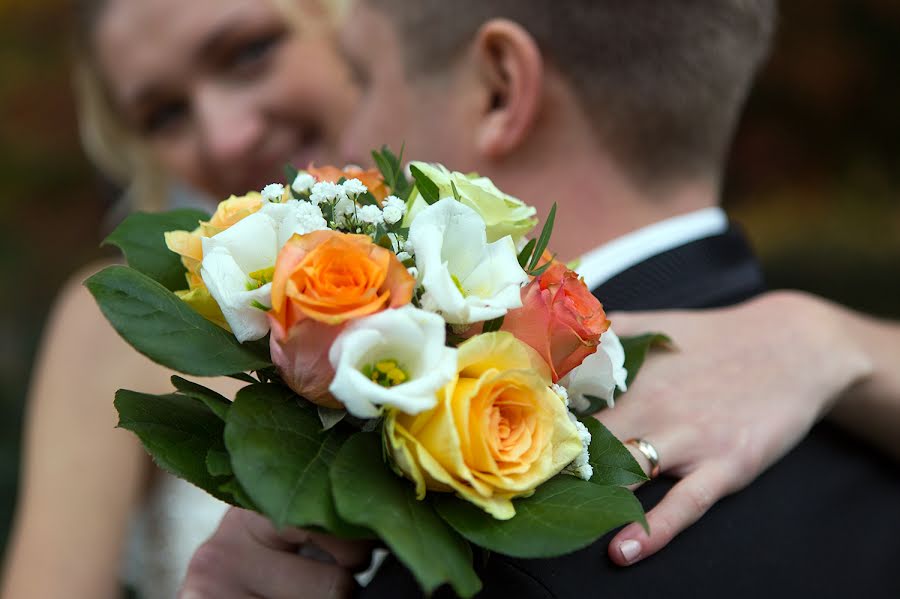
[80, 477]
[871, 408]
[743, 388]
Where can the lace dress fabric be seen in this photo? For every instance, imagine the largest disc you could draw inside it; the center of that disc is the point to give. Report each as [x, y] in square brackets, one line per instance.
[174, 521]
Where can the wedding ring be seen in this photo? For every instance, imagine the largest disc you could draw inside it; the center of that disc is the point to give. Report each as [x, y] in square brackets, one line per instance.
[649, 452]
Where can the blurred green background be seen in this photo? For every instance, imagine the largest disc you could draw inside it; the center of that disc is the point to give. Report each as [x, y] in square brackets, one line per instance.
[814, 178]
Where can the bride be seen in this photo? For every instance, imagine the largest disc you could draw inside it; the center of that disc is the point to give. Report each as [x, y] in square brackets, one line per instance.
[224, 96]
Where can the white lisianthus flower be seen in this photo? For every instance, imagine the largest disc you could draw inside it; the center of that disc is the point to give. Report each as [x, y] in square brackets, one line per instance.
[502, 213]
[599, 375]
[396, 358]
[273, 192]
[303, 182]
[237, 263]
[468, 280]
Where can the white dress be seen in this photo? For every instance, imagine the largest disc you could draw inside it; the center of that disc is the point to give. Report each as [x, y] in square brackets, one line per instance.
[175, 519]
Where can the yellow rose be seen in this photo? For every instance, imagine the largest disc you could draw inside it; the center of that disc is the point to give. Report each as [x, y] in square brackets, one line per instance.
[497, 432]
[230, 212]
[189, 245]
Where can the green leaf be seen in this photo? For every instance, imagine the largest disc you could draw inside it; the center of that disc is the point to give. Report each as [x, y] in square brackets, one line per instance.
[141, 239]
[165, 329]
[290, 173]
[241, 499]
[384, 167]
[613, 463]
[539, 271]
[456, 195]
[391, 168]
[367, 199]
[492, 326]
[564, 515]
[595, 404]
[636, 350]
[218, 463]
[281, 457]
[544, 239]
[368, 493]
[427, 187]
[527, 251]
[216, 402]
[178, 432]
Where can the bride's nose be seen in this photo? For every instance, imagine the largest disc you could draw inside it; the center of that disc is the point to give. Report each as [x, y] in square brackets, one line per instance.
[231, 127]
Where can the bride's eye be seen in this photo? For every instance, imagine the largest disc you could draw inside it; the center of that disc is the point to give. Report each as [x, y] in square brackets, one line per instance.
[164, 117]
[246, 58]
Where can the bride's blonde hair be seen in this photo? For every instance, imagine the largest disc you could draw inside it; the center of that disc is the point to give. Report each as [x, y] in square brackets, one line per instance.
[109, 143]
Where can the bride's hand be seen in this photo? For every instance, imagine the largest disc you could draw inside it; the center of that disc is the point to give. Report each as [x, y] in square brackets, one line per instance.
[743, 386]
[248, 558]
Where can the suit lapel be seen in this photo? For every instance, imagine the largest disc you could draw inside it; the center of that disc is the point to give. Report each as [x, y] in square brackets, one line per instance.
[711, 272]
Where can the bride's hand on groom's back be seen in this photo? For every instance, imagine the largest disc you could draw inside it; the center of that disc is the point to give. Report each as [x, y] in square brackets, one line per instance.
[248, 558]
[742, 387]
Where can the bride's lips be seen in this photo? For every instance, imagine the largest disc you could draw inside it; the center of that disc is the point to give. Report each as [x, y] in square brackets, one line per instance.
[255, 177]
[270, 168]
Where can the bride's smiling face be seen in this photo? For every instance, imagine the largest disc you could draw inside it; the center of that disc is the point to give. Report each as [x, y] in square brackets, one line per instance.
[224, 92]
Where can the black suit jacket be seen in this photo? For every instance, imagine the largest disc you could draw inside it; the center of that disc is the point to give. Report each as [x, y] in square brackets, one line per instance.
[822, 522]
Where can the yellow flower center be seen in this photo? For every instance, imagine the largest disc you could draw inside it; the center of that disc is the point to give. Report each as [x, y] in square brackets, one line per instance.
[259, 278]
[387, 373]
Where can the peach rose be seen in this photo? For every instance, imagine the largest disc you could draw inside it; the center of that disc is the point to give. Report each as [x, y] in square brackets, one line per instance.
[497, 432]
[371, 178]
[322, 281]
[559, 318]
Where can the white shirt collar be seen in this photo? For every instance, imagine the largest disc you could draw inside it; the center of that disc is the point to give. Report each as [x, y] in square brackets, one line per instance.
[602, 263]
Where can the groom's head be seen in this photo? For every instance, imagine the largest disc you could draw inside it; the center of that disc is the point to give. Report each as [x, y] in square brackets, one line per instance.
[655, 86]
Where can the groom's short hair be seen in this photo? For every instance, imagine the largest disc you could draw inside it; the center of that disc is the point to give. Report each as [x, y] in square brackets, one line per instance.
[664, 82]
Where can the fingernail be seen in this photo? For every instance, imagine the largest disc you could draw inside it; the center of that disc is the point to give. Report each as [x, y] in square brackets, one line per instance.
[630, 550]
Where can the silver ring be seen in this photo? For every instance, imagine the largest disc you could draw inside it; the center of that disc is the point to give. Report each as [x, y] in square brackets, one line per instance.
[649, 452]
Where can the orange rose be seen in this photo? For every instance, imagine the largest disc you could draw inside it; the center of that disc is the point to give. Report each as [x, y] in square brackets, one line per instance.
[370, 178]
[323, 280]
[559, 318]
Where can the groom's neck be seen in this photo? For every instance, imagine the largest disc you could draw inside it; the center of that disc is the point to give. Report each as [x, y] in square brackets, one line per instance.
[597, 201]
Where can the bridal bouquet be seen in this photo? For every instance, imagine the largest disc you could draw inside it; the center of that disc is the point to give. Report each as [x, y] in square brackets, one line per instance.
[418, 370]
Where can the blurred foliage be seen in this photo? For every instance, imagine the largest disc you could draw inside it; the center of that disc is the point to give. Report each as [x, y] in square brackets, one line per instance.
[814, 175]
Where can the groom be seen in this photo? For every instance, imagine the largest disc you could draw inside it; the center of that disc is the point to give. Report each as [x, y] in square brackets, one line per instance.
[623, 113]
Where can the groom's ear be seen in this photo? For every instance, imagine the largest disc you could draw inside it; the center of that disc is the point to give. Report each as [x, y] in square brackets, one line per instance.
[510, 71]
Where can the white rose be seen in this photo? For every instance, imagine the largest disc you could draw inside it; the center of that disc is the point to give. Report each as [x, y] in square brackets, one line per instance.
[599, 375]
[396, 358]
[502, 213]
[467, 279]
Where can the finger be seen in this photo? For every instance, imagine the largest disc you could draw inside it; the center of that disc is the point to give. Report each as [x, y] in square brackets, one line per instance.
[347, 553]
[221, 571]
[350, 554]
[280, 575]
[683, 505]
